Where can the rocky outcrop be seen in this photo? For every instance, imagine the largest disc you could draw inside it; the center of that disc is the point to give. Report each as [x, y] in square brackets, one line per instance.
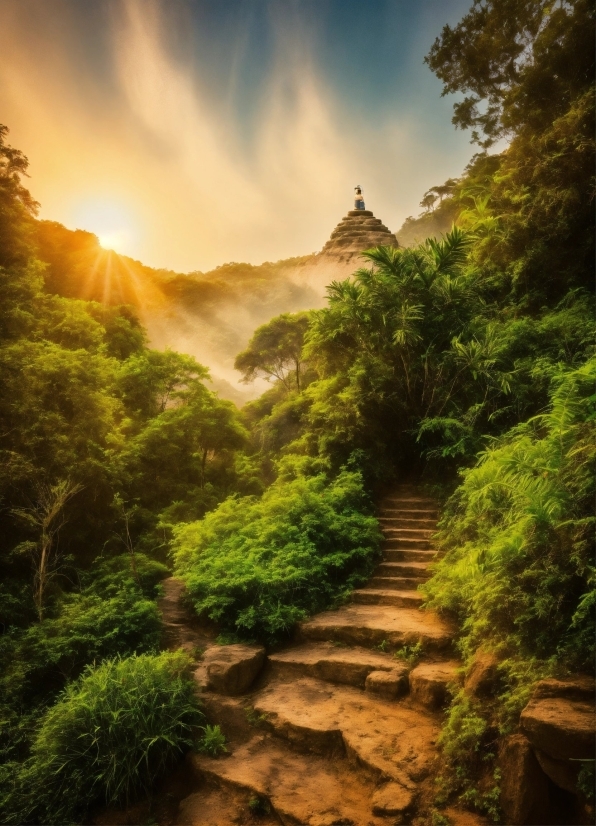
[358, 231]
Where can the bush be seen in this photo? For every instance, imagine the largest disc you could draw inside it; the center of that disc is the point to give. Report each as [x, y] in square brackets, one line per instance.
[89, 627]
[519, 570]
[258, 566]
[110, 736]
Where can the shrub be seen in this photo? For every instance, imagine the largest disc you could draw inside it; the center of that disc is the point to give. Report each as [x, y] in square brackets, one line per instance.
[258, 566]
[110, 736]
[212, 741]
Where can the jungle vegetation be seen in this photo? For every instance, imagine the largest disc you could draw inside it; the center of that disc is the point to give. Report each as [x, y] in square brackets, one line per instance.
[465, 360]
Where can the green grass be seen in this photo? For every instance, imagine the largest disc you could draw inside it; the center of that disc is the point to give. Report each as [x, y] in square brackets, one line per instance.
[112, 734]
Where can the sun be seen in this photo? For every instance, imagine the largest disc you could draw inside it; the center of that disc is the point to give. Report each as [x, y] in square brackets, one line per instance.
[111, 220]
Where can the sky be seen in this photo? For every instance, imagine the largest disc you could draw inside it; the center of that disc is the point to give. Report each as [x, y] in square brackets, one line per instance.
[189, 133]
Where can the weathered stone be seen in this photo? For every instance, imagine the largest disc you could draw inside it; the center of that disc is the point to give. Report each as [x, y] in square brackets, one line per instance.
[524, 787]
[481, 678]
[561, 728]
[335, 664]
[374, 624]
[391, 799]
[579, 687]
[388, 684]
[563, 773]
[230, 669]
[302, 788]
[429, 681]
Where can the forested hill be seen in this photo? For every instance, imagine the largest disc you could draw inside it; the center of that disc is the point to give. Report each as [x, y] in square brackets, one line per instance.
[465, 363]
[208, 315]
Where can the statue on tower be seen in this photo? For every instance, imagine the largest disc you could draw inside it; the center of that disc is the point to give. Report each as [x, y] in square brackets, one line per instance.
[358, 199]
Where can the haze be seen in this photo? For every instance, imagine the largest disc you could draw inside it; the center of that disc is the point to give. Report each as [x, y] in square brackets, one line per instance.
[186, 134]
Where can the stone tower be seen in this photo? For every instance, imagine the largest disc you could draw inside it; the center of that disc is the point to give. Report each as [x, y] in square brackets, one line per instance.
[358, 231]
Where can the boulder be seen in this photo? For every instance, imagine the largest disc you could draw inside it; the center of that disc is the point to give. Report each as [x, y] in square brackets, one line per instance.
[388, 684]
[230, 669]
[560, 727]
[563, 773]
[481, 678]
[391, 799]
[429, 681]
[524, 787]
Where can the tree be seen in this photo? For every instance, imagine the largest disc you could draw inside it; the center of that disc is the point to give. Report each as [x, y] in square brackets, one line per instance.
[17, 206]
[46, 515]
[519, 63]
[275, 351]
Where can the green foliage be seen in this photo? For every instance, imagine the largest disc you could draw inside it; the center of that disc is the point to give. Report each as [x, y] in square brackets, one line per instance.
[259, 566]
[518, 533]
[275, 351]
[410, 654]
[109, 737]
[212, 741]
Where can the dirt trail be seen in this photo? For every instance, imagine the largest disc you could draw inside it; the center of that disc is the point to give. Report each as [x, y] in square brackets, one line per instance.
[338, 728]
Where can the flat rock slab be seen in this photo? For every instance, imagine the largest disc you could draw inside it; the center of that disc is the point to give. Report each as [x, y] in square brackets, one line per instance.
[374, 624]
[301, 789]
[560, 727]
[429, 681]
[347, 666]
[230, 669]
[390, 740]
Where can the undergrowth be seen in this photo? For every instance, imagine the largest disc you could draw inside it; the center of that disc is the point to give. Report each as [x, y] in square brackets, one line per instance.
[111, 735]
[257, 566]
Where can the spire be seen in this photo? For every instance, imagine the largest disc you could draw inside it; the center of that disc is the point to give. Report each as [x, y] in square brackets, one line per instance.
[358, 231]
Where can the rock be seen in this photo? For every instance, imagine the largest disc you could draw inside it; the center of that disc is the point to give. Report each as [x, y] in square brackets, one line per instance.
[335, 664]
[563, 773]
[391, 799]
[524, 787]
[230, 669]
[374, 624]
[388, 740]
[579, 687]
[482, 675]
[302, 788]
[429, 681]
[388, 684]
[560, 727]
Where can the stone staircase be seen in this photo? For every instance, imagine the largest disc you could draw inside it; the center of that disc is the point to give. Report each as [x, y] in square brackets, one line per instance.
[339, 728]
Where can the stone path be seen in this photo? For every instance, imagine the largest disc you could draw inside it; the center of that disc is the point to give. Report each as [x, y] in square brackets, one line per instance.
[340, 727]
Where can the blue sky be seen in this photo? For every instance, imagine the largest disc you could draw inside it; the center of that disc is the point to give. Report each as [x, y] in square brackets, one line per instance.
[188, 133]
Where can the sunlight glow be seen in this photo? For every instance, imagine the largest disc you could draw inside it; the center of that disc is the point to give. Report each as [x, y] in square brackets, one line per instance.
[109, 220]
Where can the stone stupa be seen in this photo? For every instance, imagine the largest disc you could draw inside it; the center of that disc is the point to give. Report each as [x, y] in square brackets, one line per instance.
[358, 231]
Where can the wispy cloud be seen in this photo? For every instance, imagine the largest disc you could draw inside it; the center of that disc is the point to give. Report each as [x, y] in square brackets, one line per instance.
[175, 161]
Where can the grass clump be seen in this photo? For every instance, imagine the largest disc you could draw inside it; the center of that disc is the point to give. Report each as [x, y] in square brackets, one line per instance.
[257, 566]
[111, 735]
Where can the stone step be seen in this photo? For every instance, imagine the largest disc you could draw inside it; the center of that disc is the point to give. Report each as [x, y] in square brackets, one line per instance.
[399, 532]
[393, 583]
[410, 513]
[390, 740]
[407, 522]
[371, 625]
[300, 789]
[406, 541]
[409, 502]
[331, 663]
[408, 555]
[403, 569]
[374, 596]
